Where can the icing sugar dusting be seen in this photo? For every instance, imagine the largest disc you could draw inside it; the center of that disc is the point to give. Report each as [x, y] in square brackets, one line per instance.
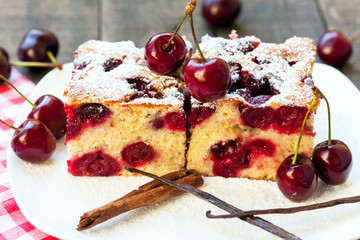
[116, 71]
[281, 68]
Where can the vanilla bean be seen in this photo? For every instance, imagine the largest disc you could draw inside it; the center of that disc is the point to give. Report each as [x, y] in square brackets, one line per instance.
[257, 221]
[288, 210]
[154, 184]
[150, 193]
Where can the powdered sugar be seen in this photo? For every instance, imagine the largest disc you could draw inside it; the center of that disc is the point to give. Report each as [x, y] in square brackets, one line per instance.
[91, 81]
[98, 52]
[197, 104]
[282, 66]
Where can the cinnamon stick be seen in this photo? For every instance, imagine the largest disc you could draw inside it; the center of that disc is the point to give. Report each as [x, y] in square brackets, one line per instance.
[257, 221]
[147, 194]
[289, 210]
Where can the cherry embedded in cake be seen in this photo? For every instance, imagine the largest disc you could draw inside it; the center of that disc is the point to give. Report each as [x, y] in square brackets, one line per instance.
[231, 156]
[120, 113]
[249, 131]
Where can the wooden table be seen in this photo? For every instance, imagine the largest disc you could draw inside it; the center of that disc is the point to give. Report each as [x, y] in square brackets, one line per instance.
[75, 21]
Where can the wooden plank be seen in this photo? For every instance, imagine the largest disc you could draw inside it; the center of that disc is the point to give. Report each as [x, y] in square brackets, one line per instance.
[275, 21]
[345, 16]
[138, 20]
[72, 21]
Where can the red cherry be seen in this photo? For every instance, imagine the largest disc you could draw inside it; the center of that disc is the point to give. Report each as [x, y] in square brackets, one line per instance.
[297, 181]
[296, 176]
[334, 48]
[50, 110]
[221, 12]
[34, 142]
[257, 117]
[175, 121]
[209, 80]
[332, 158]
[138, 154]
[333, 163]
[199, 114]
[109, 65]
[94, 164]
[36, 43]
[230, 156]
[162, 59]
[87, 115]
[5, 67]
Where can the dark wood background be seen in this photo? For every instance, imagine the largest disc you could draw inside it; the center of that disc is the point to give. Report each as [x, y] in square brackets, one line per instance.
[75, 21]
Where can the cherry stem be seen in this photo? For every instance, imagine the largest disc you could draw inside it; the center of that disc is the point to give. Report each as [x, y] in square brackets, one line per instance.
[356, 37]
[302, 129]
[53, 60]
[167, 45]
[9, 125]
[329, 121]
[320, 95]
[36, 64]
[8, 82]
[194, 36]
[190, 7]
[53, 64]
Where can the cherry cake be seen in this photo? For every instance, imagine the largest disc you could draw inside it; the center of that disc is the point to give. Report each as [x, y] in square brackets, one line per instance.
[251, 130]
[122, 114]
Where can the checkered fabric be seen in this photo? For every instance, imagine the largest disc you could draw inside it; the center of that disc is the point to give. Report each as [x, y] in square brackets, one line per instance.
[13, 224]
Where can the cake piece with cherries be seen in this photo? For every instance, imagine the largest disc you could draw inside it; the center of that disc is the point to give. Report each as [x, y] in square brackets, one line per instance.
[251, 130]
[122, 114]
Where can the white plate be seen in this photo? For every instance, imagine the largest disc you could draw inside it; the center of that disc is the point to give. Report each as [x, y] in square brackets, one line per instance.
[53, 200]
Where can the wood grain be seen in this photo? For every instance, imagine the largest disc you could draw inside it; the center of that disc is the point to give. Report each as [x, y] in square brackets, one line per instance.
[138, 20]
[275, 21]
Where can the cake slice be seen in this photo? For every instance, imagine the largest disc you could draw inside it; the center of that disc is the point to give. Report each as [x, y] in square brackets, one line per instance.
[122, 114]
[251, 130]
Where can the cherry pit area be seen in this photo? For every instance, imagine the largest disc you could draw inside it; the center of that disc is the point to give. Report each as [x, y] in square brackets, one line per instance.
[53, 200]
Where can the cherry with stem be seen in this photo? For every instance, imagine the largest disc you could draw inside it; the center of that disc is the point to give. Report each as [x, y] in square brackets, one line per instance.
[37, 48]
[32, 141]
[165, 52]
[47, 109]
[5, 65]
[206, 79]
[52, 64]
[296, 176]
[332, 158]
[8, 82]
[38, 45]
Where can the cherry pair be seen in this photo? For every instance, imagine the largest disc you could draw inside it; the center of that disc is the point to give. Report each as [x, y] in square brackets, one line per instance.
[206, 79]
[297, 176]
[35, 139]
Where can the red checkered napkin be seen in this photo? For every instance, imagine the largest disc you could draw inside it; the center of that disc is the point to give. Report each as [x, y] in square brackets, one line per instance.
[13, 224]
